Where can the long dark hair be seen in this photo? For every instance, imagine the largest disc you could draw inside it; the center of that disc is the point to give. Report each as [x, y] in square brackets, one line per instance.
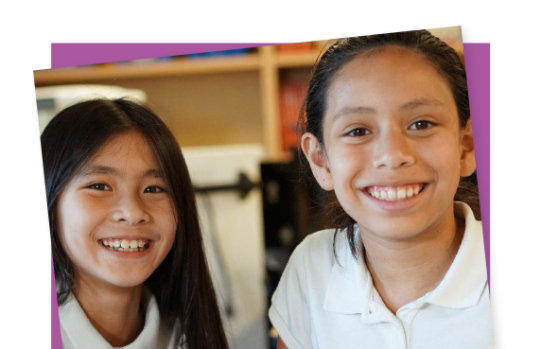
[181, 283]
[442, 57]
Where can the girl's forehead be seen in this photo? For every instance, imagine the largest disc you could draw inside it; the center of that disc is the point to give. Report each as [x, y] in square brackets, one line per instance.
[123, 144]
[391, 57]
[129, 149]
[381, 77]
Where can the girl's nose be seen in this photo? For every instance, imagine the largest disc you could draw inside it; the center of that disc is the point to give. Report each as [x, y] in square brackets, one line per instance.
[393, 151]
[131, 210]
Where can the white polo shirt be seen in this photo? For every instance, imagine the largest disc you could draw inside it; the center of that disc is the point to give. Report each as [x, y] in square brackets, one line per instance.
[78, 332]
[322, 303]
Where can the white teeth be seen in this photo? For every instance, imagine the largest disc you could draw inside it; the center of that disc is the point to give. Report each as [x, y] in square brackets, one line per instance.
[128, 249]
[395, 193]
[125, 245]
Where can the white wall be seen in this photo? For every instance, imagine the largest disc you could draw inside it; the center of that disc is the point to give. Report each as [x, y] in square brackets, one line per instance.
[234, 239]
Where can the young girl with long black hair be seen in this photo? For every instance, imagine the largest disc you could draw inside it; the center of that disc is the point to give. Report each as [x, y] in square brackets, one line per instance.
[128, 254]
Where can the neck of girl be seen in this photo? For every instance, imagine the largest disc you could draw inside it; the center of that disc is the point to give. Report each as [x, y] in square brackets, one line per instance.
[114, 312]
[405, 270]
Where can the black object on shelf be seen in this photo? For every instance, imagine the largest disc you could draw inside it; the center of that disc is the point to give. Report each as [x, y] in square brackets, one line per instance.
[243, 186]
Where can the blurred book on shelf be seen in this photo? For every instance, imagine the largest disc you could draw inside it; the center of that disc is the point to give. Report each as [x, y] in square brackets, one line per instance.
[233, 52]
[291, 97]
[296, 47]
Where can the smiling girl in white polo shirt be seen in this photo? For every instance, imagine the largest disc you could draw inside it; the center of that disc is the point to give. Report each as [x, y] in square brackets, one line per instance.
[387, 130]
[128, 255]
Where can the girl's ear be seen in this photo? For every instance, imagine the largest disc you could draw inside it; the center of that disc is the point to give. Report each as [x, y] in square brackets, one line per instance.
[317, 160]
[467, 153]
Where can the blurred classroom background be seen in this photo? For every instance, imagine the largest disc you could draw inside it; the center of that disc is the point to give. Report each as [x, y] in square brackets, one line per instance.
[234, 115]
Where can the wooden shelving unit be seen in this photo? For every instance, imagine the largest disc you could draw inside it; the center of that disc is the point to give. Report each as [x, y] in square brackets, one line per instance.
[148, 70]
[207, 100]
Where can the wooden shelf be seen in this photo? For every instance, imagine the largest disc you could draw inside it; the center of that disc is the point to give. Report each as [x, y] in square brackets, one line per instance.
[180, 66]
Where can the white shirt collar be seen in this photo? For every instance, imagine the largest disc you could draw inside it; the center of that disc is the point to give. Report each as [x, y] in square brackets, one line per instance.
[351, 289]
[78, 332]
[466, 279]
[350, 282]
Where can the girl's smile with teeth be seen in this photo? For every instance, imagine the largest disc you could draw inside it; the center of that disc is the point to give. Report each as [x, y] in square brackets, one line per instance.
[126, 245]
[395, 193]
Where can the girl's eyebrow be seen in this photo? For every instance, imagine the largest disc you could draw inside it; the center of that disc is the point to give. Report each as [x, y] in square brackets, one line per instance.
[92, 170]
[353, 110]
[421, 102]
[406, 106]
[154, 173]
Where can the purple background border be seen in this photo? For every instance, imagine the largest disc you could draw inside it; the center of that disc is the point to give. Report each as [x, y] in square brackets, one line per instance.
[477, 57]
[66, 55]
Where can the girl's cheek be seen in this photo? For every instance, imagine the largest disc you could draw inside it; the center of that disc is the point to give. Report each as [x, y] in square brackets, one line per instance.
[87, 209]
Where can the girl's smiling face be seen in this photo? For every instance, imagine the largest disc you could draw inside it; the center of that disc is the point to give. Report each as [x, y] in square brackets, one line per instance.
[393, 150]
[115, 218]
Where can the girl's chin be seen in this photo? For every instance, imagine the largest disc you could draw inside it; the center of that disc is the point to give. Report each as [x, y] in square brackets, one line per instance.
[114, 281]
[121, 284]
[397, 230]
[126, 279]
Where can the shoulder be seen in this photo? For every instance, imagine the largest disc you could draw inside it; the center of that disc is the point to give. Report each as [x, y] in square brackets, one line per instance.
[157, 331]
[317, 243]
[76, 329]
[473, 228]
[314, 252]
[465, 283]
[463, 211]
[310, 265]
[302, 287]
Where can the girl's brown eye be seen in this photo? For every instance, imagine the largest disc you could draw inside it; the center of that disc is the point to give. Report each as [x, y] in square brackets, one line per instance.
[421, 125]
[99, 186]
[358, 132]
[154, 189]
